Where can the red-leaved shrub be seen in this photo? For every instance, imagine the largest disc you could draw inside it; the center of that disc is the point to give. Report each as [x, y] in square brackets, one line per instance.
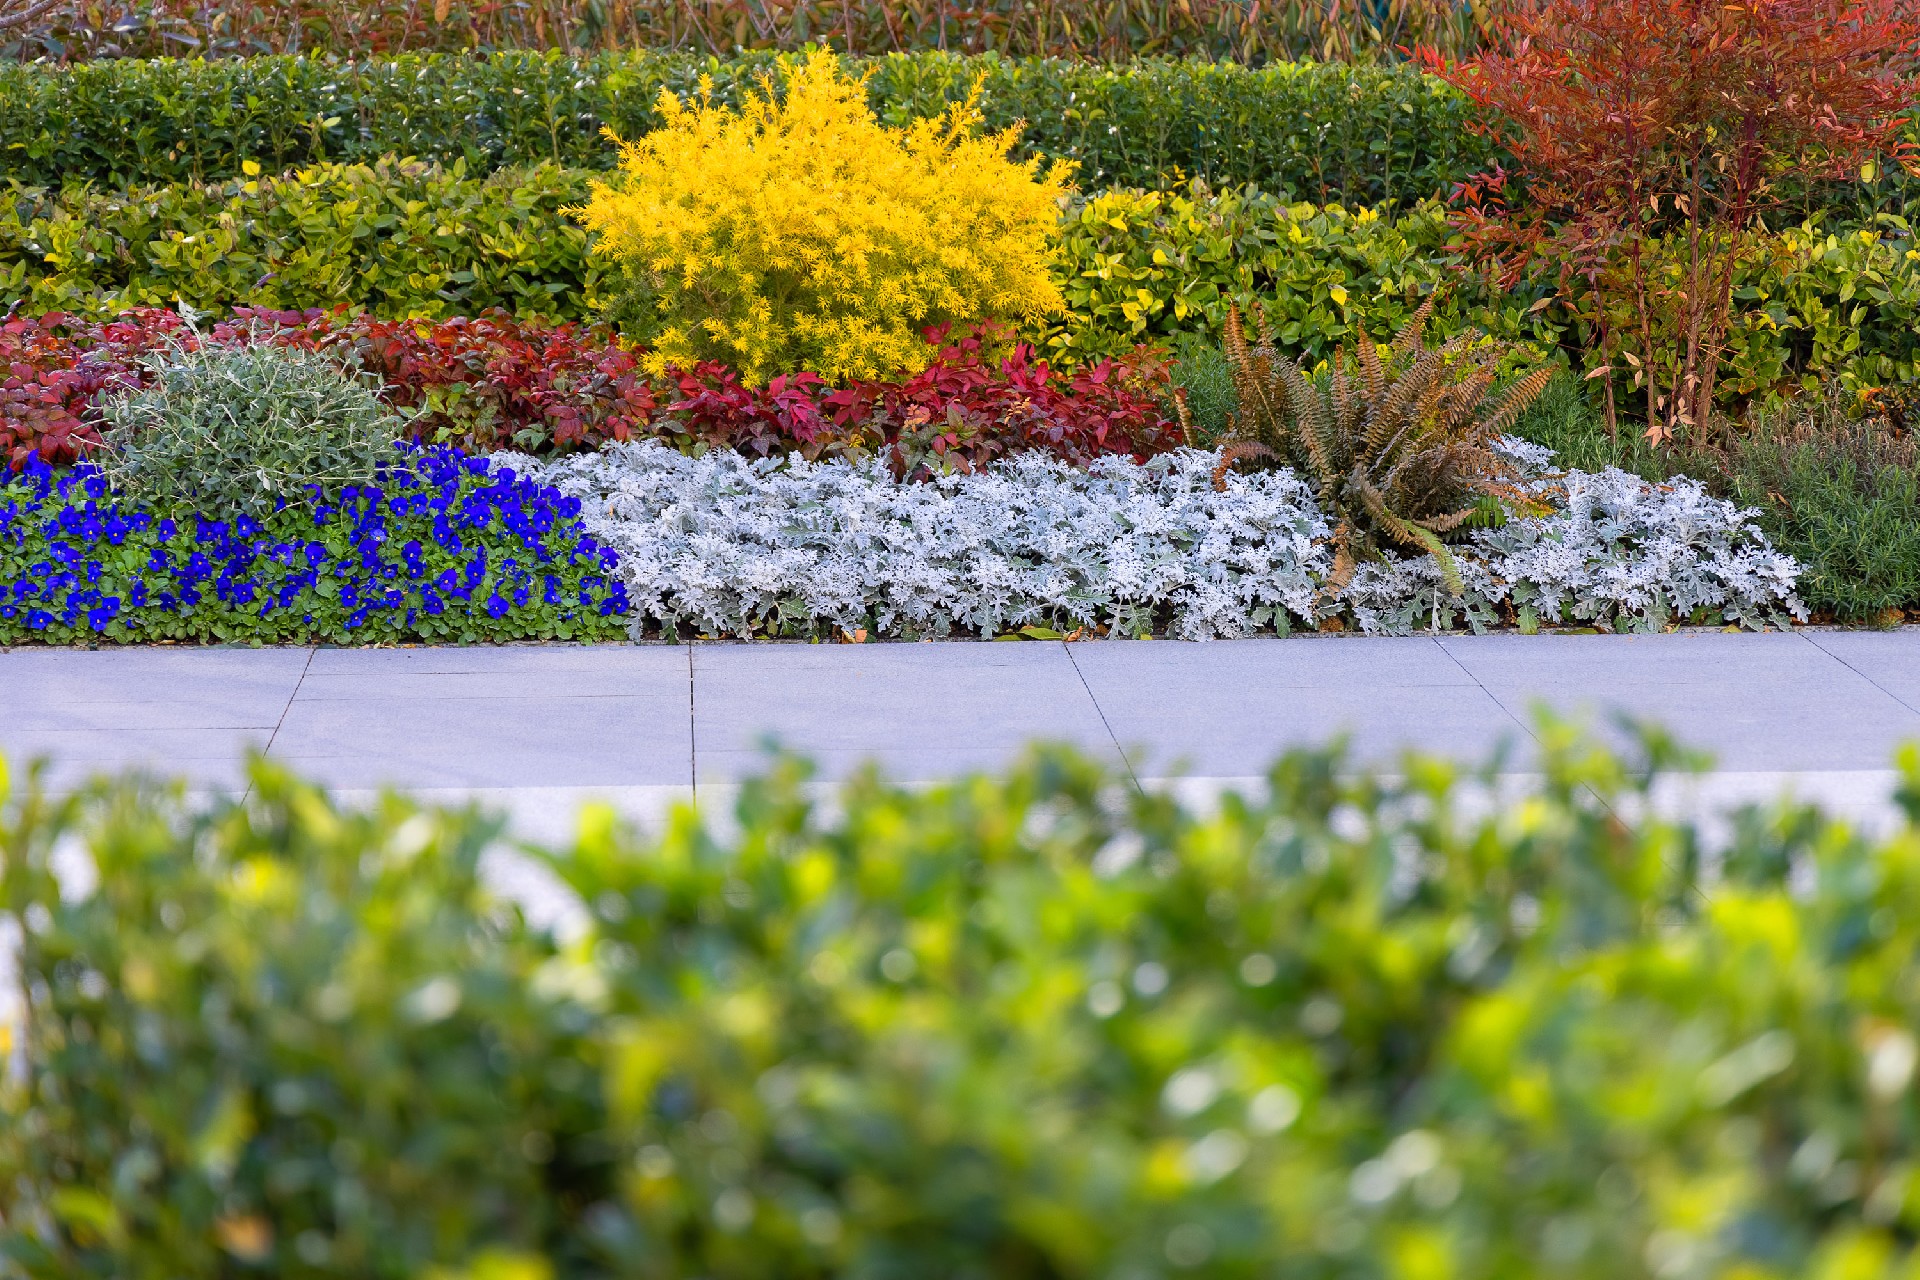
[715, 410]
[486, 383]
[482, 384]
[52, 367]
[964, 409]
[494, 382]
[1649, 134]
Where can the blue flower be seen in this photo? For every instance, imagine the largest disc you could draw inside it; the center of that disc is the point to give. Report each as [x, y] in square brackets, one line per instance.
[459, 531]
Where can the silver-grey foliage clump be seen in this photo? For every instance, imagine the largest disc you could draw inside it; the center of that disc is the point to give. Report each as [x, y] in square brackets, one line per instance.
[229, 428]
[737, 546]
[734, 545]
[1615, 551]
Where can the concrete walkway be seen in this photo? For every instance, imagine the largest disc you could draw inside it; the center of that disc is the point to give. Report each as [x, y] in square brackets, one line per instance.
[537, 729]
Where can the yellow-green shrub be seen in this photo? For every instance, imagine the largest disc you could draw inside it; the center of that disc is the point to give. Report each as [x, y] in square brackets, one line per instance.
[799, 233]
[1144, 266]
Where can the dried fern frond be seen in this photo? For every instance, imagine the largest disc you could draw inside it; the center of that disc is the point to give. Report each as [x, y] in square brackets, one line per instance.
[1234, 451]
[1518, 398]
[1184, 412]
[1413, 333]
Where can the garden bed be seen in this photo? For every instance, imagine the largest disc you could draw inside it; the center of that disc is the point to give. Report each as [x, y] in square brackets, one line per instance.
[726, 545]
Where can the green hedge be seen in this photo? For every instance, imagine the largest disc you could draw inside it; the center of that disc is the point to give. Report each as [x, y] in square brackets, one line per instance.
[1310, 130]
[1150, 266]
[398, 239]
[413, 239]
[1039, 1027]
[1140, 266]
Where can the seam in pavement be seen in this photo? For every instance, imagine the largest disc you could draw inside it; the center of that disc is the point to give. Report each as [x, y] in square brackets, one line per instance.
[246, 792]
[693, 733]
[1125, 760]
[1526, 730]
[272, 737]
[1815, 642]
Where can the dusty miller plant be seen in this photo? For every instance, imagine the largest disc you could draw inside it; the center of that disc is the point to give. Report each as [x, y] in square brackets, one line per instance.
[1400, 449]
[742, 546]
[243, 428]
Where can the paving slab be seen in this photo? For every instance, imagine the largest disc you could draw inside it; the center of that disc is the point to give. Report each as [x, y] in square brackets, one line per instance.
[184, 712]
[1890, 659]
[490, 742]
[557, 672]
[519, 716]
[148, 688]
[1600, 663]
[1769, 703]
[923, 710]
[479, 658]
[536, 730]
[1228, 707]
[210, 760]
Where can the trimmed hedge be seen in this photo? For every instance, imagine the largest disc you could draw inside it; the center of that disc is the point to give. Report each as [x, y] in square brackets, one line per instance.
[397, 238]
[1148, 266]
[1309, 130]
[1037, 1028]
[411, 239]
[1145, 266]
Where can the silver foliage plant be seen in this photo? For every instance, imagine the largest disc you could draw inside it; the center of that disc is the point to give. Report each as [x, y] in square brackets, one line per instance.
[734, 545]
[243, 427]
[738, 546]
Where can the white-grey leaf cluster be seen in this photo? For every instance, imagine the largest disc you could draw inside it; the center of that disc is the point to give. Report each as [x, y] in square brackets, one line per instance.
[740, 546]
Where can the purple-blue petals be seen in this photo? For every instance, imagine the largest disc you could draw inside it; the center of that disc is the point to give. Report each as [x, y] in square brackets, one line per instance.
[440, 548]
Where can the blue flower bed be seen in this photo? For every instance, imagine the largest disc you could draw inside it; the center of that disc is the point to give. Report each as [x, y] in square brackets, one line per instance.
[439, 549]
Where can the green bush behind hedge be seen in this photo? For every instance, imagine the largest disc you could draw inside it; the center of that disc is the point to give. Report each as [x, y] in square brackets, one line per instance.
[408, 238]
[394, 238]
[1042, 1026]
[1824, 301]
[1145, 266]
[1309, 130]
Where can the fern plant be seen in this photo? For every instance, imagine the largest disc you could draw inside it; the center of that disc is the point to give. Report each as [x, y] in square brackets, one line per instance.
[1399, 447]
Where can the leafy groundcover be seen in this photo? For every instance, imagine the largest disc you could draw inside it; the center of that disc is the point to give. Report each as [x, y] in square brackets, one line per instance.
[1040, 1026]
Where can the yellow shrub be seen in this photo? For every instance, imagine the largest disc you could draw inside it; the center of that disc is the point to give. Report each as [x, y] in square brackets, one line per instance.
[804, 235]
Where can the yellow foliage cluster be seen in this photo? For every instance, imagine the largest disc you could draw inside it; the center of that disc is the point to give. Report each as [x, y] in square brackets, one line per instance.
[799, 233]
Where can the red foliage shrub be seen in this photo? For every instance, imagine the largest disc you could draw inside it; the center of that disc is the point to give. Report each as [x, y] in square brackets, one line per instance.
[963, 409]
[52, 367]
[1649, 133]
[493, 383]
[482, 384]
[487, 383]
[717, 411]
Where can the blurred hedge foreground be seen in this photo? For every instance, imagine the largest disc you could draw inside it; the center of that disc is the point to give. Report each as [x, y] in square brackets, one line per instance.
[1034, 1027]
